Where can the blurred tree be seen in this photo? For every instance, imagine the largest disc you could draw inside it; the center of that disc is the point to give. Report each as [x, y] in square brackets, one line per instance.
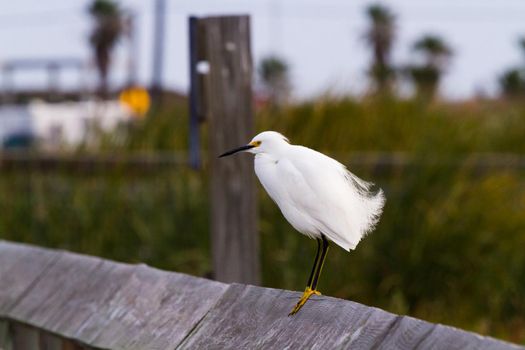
[435, 49]
[425, 79]
[109, 26]
[380, 37]
[436, 55]
[273, 73]
[521, 43]
[512, 81]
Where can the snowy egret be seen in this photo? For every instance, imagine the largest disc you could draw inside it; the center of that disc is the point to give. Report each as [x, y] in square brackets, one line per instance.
[318, 196]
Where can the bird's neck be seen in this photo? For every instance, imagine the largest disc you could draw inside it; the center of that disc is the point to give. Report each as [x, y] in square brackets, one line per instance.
[268, 157]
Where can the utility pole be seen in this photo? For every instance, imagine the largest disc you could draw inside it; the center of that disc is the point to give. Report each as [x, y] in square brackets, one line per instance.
[158, 48]
[276, 28]
[132, 48]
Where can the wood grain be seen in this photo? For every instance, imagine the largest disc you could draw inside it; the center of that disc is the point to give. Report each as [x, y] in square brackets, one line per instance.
[154, 310]
[229, 103]
[249, 317]
[322, 324]
[61, 300]
[20, 267]
[107, 304]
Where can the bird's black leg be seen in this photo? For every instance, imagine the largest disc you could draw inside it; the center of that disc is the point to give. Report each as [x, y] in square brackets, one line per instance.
[324, 250]
[314, 268]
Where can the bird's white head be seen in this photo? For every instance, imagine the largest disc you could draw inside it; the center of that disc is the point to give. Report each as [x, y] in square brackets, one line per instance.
[265, 142]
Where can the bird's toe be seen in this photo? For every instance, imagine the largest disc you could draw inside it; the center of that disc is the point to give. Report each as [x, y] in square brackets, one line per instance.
[304, 298]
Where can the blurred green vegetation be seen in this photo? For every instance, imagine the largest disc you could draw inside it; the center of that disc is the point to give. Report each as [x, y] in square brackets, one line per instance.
[449, 247]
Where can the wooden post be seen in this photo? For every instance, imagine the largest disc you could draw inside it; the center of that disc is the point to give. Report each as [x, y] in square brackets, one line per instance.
[229, 107]
[24, 337]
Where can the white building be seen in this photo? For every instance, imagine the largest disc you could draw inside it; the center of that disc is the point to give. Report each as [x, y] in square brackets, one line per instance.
[60, 124]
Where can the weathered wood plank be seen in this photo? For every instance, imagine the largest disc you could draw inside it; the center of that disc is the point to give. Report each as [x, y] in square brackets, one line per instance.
[111, 305]
[20, 267]
[60, 300]
[406, 333]
[372, 331]
[324, 323]
[154, 310]
[87, 302]
[450, 338]
[69, 293]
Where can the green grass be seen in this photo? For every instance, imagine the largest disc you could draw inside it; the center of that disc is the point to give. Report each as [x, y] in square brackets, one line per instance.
[161, 219]
[344, 125]
[449, 247]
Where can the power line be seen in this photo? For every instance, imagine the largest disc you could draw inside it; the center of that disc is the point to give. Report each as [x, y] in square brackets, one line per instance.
[15, 15]
[39, 18]
[314, 10]
[71, 23]
[333, 11]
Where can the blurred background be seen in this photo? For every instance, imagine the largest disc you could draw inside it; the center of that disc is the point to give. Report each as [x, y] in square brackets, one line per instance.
[425, 99]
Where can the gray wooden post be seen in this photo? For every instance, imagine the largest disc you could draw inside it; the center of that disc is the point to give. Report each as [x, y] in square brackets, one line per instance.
[234, 236]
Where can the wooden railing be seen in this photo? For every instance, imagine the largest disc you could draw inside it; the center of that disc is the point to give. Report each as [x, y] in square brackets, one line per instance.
[379, 163]
[52, 299]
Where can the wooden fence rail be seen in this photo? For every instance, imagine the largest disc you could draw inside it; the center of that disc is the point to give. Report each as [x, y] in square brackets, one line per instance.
[90, 163]
[379, 163]
[53, 299]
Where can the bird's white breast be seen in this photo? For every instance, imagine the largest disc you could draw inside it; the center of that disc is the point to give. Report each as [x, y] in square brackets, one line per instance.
[275, 174]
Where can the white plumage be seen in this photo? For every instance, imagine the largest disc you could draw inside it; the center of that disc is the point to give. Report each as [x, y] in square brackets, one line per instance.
[315, 193]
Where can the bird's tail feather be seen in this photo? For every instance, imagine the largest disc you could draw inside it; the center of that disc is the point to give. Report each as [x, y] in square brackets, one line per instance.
[368, 206]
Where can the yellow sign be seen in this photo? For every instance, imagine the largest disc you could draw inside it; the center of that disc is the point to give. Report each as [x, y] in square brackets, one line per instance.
[137, 99]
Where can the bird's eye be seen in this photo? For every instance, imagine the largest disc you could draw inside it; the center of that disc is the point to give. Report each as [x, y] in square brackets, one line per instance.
[256, 143]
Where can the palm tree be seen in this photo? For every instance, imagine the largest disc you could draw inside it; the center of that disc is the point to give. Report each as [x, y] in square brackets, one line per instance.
[521, 43]
[380, 37]
[106, 32]
[512, 81]
[273, 72]
[435, 50]
[436, 55]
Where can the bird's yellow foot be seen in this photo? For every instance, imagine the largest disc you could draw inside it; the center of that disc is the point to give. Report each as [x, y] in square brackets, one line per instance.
[308, 292]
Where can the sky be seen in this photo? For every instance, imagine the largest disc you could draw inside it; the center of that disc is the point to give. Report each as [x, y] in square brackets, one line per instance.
[321, 40]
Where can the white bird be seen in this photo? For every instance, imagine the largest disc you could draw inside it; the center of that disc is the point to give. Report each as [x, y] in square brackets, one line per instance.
[318, 196]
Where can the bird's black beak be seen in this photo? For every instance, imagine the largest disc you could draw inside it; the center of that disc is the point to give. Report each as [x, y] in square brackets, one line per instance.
[233, 151]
